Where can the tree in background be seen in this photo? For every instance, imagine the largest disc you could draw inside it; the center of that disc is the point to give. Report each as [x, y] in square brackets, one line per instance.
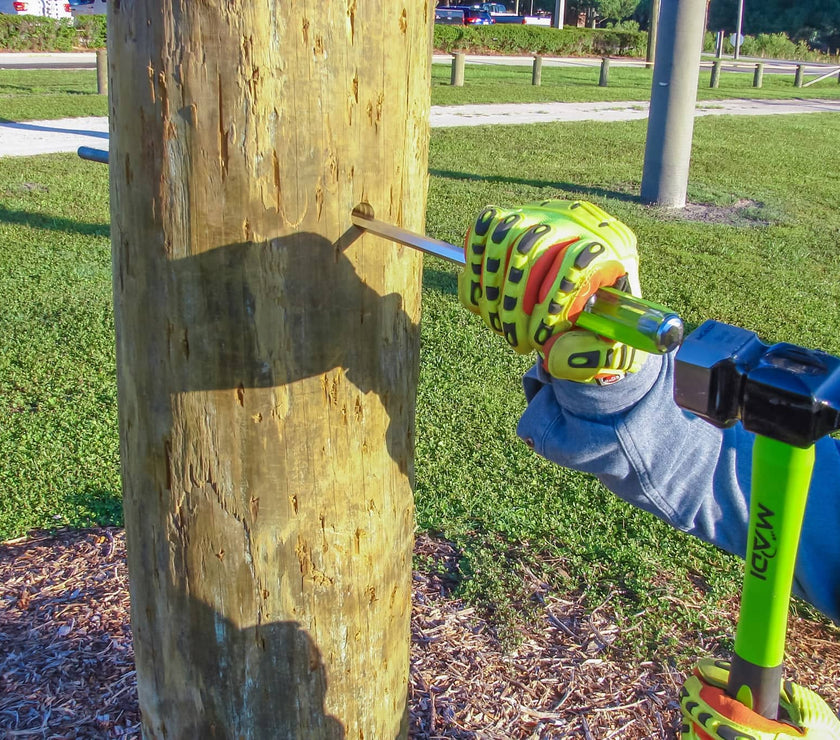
[602, 11]
[815, 21]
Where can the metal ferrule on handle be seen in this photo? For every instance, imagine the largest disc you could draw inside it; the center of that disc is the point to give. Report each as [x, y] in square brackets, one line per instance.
[619, 316]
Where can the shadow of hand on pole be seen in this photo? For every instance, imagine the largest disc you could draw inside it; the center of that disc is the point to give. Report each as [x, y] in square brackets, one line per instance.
[276, 687]
[288, 330]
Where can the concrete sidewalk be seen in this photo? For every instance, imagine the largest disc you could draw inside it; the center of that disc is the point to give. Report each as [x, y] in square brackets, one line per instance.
[68, 134]
[47, 137]
[477, 115]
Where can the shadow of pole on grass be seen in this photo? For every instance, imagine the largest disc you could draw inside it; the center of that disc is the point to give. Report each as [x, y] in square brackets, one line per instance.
[570, 189]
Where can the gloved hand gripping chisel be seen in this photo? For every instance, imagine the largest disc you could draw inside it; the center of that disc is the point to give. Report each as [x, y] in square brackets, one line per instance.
[611, 313]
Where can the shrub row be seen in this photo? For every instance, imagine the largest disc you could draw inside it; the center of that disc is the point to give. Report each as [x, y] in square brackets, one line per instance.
[528, 39]
[770, 46]
[31, 33]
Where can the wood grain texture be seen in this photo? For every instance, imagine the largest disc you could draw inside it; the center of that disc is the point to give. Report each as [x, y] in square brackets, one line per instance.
[267, 357]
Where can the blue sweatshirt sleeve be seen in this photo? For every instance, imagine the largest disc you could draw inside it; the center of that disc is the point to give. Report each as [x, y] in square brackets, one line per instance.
[635, 439]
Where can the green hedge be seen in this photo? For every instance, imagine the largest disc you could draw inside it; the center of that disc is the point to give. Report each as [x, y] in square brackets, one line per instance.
[28, 33]
[528, 39]
[31, 33]
[770, 46]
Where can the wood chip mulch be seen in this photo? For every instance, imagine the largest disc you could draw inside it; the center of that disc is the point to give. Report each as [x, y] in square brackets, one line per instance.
[66, 660]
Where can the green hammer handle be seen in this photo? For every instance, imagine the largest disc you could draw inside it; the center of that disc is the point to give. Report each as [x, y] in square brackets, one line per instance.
[781, 475]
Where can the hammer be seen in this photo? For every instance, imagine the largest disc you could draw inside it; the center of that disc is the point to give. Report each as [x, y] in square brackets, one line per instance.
[789, 397]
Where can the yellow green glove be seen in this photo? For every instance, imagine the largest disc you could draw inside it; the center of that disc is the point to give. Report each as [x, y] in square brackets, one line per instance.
[530, 271]
[709, 713]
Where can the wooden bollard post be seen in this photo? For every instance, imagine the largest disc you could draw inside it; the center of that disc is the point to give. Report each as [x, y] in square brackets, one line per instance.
[797, 80]
[758, 76]
[714, 81]
[605, 72]
[457, 79]
[101, 71]
[653, 32]
[536, 72]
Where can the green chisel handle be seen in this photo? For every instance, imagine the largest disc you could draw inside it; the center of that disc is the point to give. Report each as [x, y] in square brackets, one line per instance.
[619, 316]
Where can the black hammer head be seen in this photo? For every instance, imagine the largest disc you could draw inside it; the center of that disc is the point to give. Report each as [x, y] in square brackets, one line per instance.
[788, 393]
[710, 368]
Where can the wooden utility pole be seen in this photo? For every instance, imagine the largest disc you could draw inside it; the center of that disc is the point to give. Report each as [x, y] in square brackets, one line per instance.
[267, 358]
[653, 30]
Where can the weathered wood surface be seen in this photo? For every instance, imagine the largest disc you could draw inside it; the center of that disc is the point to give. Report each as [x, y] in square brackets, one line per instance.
[267, 357]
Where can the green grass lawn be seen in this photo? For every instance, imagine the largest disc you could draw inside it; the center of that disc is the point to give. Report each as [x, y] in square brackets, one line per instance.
[31, 95]
[57, 392]
[521, 524]
[45, 94]
[512, 84]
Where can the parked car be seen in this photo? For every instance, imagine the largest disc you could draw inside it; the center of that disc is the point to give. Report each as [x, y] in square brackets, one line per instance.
[43, 8]
[472, 16]
[477, 17]
[88, 7]
[449, 16]
[509, 18]
[500, 14]
[492, 8]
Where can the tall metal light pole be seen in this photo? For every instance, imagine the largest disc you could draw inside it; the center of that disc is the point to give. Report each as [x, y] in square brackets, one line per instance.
[672, 102]
[738, 32]
[559, 13]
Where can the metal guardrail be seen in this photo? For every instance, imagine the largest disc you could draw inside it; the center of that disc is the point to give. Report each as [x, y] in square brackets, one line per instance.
[772, 64]
[799, 70]
[759, 66]
[835, 71]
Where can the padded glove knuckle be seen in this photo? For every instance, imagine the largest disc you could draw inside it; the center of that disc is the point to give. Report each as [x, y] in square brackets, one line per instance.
[530, 270]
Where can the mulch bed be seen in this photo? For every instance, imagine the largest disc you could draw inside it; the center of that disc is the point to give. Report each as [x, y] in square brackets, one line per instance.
[66, 660]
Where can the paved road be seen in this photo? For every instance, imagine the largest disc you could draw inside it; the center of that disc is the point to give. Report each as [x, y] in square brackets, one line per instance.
[47, 60]
[68, 134]
[46, 137]
[87, 60]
